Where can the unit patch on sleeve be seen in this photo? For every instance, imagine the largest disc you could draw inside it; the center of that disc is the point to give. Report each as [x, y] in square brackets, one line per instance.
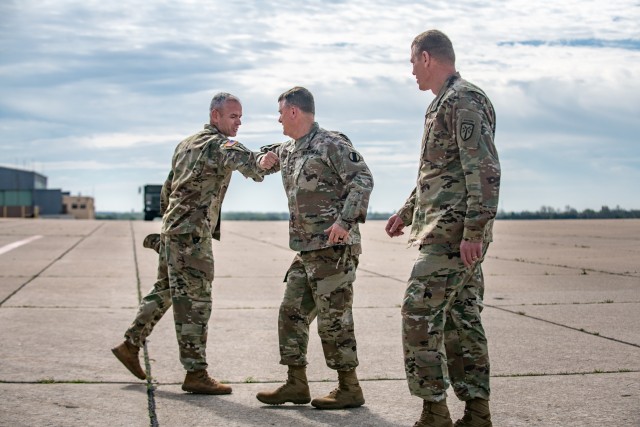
[466, 129]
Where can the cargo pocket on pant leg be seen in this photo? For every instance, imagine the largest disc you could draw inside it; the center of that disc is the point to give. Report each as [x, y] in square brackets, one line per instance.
[430, 375]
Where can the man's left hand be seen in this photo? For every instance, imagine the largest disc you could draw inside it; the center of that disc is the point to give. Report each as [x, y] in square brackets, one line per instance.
[337, 234]
[470, 252]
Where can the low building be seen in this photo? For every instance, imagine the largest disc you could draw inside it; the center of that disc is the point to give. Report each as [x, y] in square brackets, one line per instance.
[80, 207]
[24, 194]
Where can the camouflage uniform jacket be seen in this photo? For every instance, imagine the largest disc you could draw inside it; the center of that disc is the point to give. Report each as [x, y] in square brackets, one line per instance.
[327, 182]
[456, 196]
[200, 173]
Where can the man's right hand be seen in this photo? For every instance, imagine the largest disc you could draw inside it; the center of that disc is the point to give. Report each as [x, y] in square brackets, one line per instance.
[269, 160]
[152, 241]
[394, 226]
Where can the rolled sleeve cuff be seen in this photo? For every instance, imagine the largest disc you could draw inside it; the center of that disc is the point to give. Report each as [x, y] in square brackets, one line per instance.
[473, 235]
[347, 225]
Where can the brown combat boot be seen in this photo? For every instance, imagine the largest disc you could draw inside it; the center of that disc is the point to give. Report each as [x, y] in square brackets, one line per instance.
[347, 395]
[434, 414]
[199, 382]
[127, 354]
[476, 414]
[295, 390]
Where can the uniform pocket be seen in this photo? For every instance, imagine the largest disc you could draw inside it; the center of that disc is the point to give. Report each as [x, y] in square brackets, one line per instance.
[308, 173]
[331, 283]
[427, 359]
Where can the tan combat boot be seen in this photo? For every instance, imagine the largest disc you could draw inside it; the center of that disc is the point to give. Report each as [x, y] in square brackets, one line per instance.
[434, 414]
[347, 395]
[199, 382]
[127, 353]
[476, 414]
[295, 390]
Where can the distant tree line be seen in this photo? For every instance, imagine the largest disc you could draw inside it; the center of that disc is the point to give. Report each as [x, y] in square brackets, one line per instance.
[255, 216]
[120, 215]
[548, 212]
[545, 212]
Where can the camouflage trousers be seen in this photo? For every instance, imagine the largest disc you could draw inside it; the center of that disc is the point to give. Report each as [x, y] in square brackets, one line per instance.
[443, 339]
[185, 274]
[319, 284]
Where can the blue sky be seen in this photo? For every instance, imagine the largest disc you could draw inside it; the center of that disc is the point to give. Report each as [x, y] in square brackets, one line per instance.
[95, 95]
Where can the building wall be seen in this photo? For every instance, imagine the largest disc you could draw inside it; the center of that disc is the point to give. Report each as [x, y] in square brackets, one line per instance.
[18, 179]
[81, 207]
[49, 202]
[24, 194]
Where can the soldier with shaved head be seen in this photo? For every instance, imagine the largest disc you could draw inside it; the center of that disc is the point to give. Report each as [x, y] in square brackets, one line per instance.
[451, 212]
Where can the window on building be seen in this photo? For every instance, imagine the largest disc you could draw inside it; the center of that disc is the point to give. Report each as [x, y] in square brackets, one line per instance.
[83, 206]
[74, 206]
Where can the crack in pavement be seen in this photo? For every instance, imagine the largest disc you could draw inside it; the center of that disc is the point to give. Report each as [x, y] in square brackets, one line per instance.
[151, 400]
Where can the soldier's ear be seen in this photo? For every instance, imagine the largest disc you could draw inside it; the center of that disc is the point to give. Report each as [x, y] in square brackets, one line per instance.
[425, 57]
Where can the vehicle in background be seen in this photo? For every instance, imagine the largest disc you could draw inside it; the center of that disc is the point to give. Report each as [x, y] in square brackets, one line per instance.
[152, 201]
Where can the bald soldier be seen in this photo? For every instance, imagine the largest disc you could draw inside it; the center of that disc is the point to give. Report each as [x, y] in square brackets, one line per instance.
[328, 186]
[191, 200]
[451, 212]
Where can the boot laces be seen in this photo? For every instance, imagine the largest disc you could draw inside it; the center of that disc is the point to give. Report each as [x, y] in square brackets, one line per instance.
[204, 377]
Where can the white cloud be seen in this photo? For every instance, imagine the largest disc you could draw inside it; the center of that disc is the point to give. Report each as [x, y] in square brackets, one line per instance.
[102, 86]
[123, 140]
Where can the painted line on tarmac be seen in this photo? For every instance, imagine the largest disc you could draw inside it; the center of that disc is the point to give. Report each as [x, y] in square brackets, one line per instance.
[11, 246]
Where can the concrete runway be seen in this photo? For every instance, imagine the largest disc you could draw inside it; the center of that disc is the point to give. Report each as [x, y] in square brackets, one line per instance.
[562, 317]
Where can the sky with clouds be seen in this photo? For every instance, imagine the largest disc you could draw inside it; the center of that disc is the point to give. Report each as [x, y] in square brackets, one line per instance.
[95, 95]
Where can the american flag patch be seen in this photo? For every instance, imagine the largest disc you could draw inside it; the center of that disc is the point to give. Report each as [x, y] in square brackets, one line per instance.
[230, 143]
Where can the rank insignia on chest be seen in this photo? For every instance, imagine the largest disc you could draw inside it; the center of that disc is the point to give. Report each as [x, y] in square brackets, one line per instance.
[230, 143]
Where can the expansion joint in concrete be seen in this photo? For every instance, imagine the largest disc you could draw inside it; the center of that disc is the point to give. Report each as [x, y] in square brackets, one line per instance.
[35, 276]
[151, 400]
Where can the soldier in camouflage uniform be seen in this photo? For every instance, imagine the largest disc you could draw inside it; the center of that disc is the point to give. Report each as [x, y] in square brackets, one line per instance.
[328, 186]
[191, 199]
[451, 213]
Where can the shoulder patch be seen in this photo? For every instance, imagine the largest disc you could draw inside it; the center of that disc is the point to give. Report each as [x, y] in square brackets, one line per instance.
[466, 129]
[354, 157]
[230, 143]
[469, 128]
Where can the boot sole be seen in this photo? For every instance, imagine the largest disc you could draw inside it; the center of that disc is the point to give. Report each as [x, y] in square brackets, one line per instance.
[210, 392]
[295, 402]
[122, 360]
[350, 405]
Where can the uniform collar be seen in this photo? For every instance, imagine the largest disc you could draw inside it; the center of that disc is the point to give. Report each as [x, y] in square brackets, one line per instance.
[305, 140]
[443, 90]
[211, 128]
